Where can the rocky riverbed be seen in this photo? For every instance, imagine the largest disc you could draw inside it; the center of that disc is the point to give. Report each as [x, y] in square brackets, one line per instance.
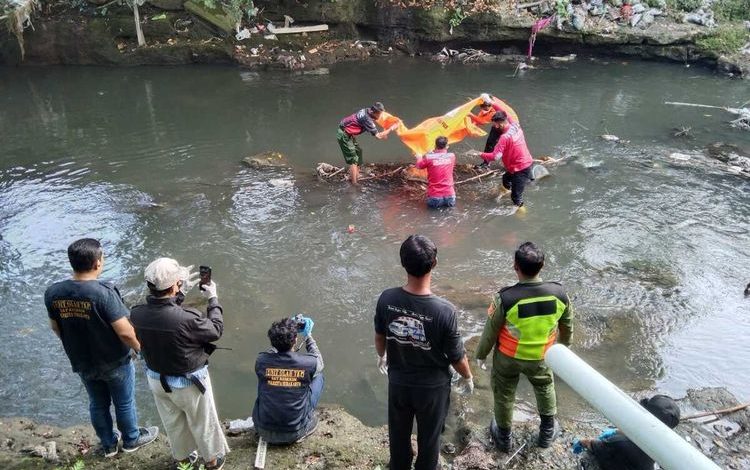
[343, 442]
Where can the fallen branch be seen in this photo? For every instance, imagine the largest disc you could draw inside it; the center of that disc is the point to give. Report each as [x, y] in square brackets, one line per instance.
[382, 175]
[334, 173]
[479, 176]
[716, 412]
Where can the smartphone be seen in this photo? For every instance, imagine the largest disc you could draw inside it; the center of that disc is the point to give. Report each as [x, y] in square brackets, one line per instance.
[205, 273]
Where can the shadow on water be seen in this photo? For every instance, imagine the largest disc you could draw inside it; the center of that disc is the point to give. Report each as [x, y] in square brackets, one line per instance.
[653, 252]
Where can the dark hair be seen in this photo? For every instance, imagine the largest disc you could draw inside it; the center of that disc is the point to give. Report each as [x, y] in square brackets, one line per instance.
[157, 293]
[377, 107]
[529, 259]
[418, 255]
[83, 254]
[441, 142]
[283, 334]
[499, 116]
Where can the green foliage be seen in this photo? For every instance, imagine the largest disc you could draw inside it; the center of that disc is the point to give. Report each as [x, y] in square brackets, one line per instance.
[79, 465]
[189, 466]
[561, 6]
[724, 39]
[684, 5]
[732, 10]
[457, 16]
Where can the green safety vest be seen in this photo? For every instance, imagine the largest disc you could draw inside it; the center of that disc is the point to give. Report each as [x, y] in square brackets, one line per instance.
[532, 311]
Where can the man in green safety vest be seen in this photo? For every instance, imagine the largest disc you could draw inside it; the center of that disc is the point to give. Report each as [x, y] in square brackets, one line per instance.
[524, 321]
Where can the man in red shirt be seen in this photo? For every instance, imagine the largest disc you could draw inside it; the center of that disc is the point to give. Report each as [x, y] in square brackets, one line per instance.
[439, 164]
[487, 108]
[512, 150]
[354, 125]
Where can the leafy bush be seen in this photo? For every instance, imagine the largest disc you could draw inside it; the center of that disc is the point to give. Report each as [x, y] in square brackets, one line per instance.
[684, 5]
[732, 10]
[724, 40]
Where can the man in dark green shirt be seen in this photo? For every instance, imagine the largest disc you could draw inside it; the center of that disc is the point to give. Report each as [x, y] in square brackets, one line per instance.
[524, 321]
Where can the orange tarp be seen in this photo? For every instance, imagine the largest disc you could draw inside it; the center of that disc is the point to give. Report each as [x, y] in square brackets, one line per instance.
[456, 125]
[485, 117]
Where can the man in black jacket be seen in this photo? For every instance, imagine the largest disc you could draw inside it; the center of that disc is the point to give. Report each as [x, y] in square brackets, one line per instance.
[289, 383]
[176, 342]
[614, 451]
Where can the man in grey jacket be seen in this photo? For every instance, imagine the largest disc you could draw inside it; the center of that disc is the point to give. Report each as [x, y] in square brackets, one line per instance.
[176, 342]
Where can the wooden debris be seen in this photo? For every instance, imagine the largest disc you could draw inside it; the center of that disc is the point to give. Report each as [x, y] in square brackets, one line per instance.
[716, 412]
[299, 29]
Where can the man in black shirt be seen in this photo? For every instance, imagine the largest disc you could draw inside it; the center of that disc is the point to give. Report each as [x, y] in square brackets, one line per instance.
[419, 333]
[90, 318]
[617, 452]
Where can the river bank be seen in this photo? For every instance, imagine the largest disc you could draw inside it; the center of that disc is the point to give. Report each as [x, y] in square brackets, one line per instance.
[106, 35]
[343, 442]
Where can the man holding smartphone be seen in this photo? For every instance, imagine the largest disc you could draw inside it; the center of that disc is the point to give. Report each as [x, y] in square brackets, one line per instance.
[176, 342]
[289, 383]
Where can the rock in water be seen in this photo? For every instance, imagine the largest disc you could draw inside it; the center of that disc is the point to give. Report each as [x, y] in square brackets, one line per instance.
[539, 171]
[266, 160]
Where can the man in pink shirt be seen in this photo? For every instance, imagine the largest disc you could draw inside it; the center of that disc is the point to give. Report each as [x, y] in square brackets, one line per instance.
[439, 164]
[512, 150]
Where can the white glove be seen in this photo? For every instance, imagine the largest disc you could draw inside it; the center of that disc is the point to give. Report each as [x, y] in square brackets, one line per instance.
[191, 280]
[209, 290]
[467, 385]
[383, 364]
[473, 153]
[481, 364]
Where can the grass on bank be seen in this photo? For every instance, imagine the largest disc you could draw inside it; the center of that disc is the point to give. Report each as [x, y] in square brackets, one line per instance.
[724, 39]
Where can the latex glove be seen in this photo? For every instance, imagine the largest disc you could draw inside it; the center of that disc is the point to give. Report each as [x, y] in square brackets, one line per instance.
[473, 153]
[577, 446]
[467, 385]
[382, 135]
[209, 291]
[191, 280]
[383, 364]
[309, 323]
[481, 364]
[607, 434]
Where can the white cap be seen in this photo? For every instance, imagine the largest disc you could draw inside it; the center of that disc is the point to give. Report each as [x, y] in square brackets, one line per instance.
[486, 98]
[164, 273]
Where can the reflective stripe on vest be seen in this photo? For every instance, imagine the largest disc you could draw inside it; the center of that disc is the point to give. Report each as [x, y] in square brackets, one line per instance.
[530, 327]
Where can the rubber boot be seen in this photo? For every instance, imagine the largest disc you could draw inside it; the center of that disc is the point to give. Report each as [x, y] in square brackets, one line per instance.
[501, 436]
[548, 431]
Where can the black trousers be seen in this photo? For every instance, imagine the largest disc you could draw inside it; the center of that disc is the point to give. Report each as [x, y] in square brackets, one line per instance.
[430, 407]
[492, 139]
[517, 182]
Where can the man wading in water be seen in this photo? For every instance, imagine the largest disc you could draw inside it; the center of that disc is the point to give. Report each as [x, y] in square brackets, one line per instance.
[354, 125]
[511, 148]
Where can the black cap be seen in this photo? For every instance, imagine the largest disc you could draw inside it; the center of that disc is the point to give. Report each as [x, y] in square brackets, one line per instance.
[499, 116]
[664, 408]
[377, 107]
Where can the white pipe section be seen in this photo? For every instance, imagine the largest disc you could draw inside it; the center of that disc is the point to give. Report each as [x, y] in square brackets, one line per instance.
[655, 438]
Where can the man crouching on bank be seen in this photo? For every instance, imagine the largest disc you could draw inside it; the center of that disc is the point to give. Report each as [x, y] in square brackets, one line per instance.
[289, 383]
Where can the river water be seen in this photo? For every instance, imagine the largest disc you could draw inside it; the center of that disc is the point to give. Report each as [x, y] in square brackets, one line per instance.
[654, 251]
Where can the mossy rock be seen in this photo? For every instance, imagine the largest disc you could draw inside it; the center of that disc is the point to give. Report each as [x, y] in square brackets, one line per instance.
[266, 160]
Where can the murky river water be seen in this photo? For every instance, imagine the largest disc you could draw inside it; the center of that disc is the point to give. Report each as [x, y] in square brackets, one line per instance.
[654, 252]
